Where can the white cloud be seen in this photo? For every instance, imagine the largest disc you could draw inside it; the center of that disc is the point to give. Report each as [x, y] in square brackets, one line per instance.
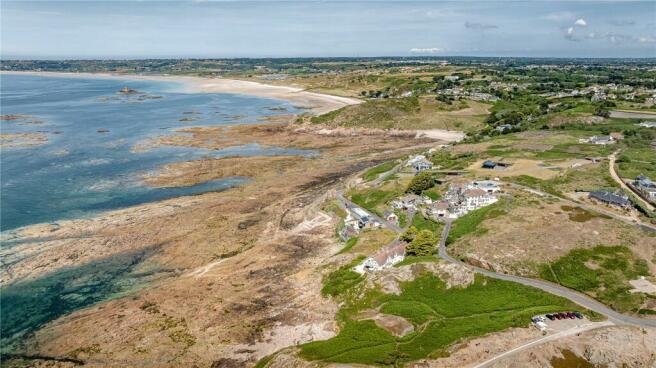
[429, 50]
[647, 39]
[570, 30]
[581, 22]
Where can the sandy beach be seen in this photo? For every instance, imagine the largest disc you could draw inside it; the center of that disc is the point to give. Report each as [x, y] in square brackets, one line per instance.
[318, 103]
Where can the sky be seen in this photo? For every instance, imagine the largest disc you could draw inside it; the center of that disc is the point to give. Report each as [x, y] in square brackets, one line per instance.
[222, 29]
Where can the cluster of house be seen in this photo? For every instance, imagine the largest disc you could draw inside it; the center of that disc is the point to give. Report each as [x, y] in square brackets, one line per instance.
[356, 220]
[645, 186]
[419, 163]
[463, 198]
[472, 94]
[603, 139]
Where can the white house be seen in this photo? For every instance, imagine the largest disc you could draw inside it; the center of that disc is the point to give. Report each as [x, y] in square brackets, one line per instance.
[422, 165]
[600, 140]
[648, 124]
[477, 198]
[385, 257]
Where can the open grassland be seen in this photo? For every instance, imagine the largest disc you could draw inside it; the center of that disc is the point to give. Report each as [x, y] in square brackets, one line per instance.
[535, 230]
[375, 171]
[637, 161]
[585, 178]
[602, 272]
[423, 223]
[441, 316]
[407, 113]
[373, 200]
[369, 241]
[471, 222]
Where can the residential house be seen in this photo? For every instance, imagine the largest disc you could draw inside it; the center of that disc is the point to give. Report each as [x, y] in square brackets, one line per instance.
[407, 202]
[364, 219]
[648, 124]
[422, 165]
[391, 217]
[616, 136]
[439, 209]
[503, 127]
[415, 159]
[615, 199]
[385, 257]
[601, 140]
[477, 198]
[489, 164]
[646, 187]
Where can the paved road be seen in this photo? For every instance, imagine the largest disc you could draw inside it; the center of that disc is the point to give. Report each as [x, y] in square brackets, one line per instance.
[542, 340]
[381, 178]
[346, 203]
[613, 174]
[576, 297]
[632, 114]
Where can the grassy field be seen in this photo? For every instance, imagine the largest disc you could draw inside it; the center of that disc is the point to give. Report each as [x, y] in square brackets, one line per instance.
[441, 318]
[470, 223]
[369, 241]
[407, 113]
[589, 178]
[341, 280]
[373, 199]
[602, 272]
[375, 171]
[637, 161]
[422, 223]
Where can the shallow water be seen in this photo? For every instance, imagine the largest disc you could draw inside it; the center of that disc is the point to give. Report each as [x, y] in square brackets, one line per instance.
[87, 164]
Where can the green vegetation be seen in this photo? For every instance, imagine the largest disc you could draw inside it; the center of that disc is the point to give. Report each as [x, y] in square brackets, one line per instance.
[470, 223]
[578, 214]
[384, 114]
[441, 317]
[602, 272]
[422, 223]
[349, 245]
[408, 260]
[421, 182]
[422, 245]
[342, 279]
[637, 161]
[375, 171]
[373, 199]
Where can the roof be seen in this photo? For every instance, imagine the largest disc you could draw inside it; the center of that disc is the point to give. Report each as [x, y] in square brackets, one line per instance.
[359, 212]
[441, 205]
[612, 198]
[485, 183]
[389, 251]
[489, 163]
[644, 181]
[616, 135]
[475, 193]
[388, 213]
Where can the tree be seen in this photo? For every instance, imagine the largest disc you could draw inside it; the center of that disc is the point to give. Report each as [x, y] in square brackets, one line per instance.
[422, 245]
[602, 111]
[422, 181]
[410, 234]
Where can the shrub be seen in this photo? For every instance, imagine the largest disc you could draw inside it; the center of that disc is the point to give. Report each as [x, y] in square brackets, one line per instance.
[423, 181]
[422, 245]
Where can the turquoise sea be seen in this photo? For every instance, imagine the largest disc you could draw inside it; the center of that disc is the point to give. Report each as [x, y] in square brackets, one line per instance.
[88, 165]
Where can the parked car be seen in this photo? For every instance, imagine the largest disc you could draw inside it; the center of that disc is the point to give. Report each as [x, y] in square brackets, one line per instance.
[571, 315]
[578, 315]
[561, 315]
[551, 317]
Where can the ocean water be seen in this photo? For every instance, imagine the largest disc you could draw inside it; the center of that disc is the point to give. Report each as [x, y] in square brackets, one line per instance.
[87, 164]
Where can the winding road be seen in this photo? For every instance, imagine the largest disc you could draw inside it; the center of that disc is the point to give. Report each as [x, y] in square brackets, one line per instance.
[616, 177]
[576, 297]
